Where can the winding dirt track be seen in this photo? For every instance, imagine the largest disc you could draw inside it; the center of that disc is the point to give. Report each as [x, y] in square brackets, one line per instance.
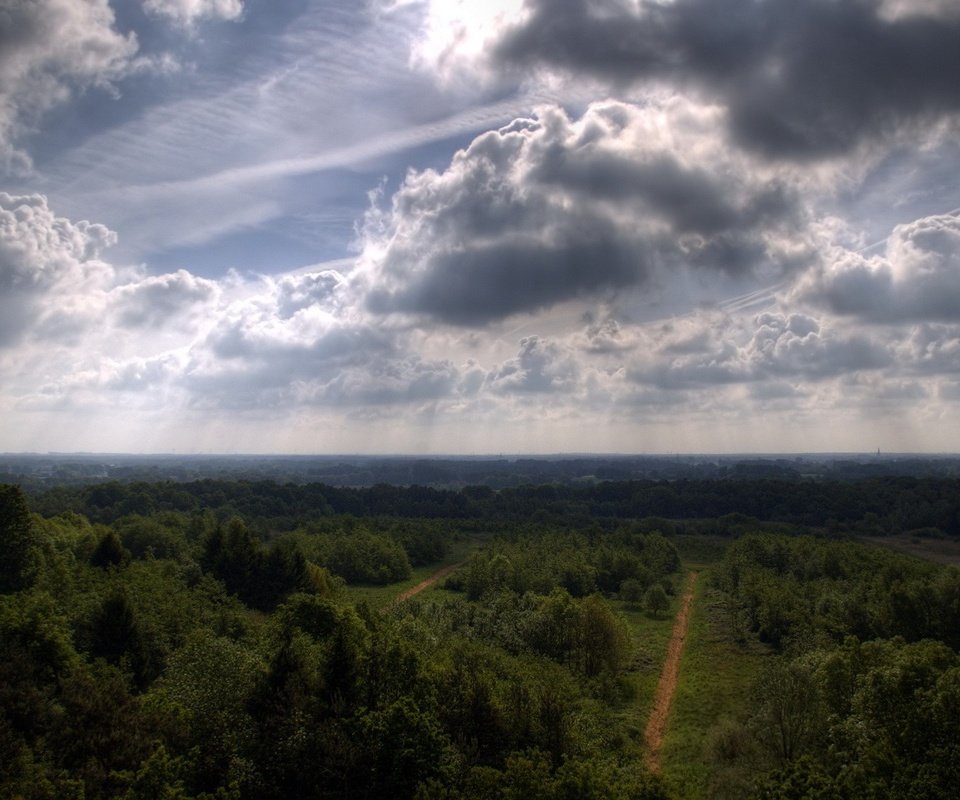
[440, 573]
[657, 724]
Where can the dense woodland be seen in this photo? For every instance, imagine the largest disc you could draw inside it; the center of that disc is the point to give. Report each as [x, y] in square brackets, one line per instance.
[205, 640]
[929, 506]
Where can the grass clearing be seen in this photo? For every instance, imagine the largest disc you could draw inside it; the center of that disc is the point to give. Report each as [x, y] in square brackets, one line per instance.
[379, 596]
[941, 551]
[650, 636]
[715, 677]
[699, 551]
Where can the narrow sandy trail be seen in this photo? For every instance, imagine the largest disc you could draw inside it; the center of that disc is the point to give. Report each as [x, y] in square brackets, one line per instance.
[657, 724]
[440, 573]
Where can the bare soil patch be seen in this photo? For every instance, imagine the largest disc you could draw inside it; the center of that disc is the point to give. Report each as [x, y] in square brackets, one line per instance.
[425, 584]
[657, 723]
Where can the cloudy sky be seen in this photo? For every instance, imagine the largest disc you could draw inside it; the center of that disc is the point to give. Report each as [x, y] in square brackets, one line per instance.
[452, 226]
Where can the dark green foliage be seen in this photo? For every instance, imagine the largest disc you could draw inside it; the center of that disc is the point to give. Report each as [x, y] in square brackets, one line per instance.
[211, 680]
[511, 689]
[109, 552]
[731, 506]
[835, 716]
[580, 564]
[102, 730]
[423, 543]
[359, 556]
[796, 588]
[18, 541]
[179, 694]
[159, 536]
[803, 779]
[873, 719]
[116, 636]
[632, 590]
[260, 578]
[655, 600]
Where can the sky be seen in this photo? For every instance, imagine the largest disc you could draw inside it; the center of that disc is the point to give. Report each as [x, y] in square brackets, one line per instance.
[452, 226]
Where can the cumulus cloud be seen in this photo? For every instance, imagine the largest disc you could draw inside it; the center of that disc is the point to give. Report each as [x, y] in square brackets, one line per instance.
[98, 337]
[775, 348]
[797, 347]
[916, 280]
[40, 255]
[798, 78]
[49, 50]
[156, 300]
[551, 209]
[607, 336]
[539, 366]
[381, 382]
[187, 12]
[932, 349]
[317, 289]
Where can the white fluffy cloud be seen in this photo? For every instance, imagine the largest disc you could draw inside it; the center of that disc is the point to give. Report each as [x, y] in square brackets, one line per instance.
[50, 49]
[46, 263]
[916, 280]
[187, 12]
[156, 300]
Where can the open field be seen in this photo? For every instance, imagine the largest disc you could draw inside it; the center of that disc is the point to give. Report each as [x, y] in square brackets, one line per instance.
[715, 676]
[381, 596]
[650, 637]
[667, 685]
[941, 551]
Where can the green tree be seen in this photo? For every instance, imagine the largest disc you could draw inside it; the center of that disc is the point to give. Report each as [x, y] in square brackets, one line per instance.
[787, 717]
[18, 541]
[656, 600]
[109, 551]
[602, 640]
[117, 638]
[212, 680]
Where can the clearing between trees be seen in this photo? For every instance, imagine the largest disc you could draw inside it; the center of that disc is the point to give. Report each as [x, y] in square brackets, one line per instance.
[426, 584]
[657, 723]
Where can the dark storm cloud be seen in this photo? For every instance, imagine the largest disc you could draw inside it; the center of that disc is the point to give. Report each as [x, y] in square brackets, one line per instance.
[800, 78]
[691, 198]
[558, 209]
[473, 286]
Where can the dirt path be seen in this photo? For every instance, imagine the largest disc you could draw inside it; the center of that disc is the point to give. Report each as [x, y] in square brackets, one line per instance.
[657, 724]
[440, 573]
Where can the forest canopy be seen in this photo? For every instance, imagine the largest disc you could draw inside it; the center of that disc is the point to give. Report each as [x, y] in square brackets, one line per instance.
[216, 640]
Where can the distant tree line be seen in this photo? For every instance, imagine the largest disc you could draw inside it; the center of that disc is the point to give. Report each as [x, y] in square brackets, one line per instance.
[926, 506]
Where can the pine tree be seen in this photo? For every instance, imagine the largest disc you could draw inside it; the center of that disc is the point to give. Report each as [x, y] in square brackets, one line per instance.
[18, 541]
